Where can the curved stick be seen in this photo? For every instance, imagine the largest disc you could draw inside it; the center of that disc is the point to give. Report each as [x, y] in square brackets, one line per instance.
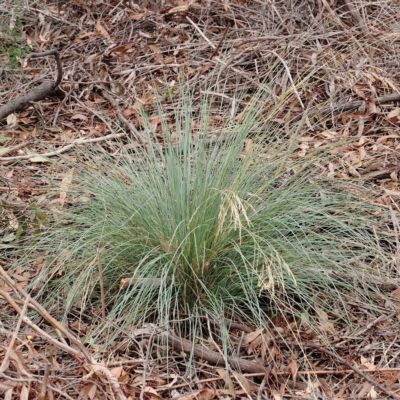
[39, 93]
[56, 55]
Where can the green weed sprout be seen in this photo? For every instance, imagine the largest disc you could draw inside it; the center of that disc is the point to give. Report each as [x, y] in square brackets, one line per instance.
[201, 229]
[12, 43]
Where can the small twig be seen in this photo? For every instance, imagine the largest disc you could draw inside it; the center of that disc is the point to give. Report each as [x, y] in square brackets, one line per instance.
[44, 313]
[14, 148]
[239, 346]
[356, 15]
[65, 148]
[43, 391]
[39, 331]
[373, 323]
[103, 305]
[351, 105]
[215, 52]
[125, 362]
[201, 33]
[145, 364]
[56, 55]
[261, 388]
[289, 76]
[4, 364]
[66, 97]
[349, 364]
[93, 365]
[122, 119]
[53, 388]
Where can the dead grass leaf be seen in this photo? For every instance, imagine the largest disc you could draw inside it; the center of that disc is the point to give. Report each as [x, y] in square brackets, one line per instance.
[228, 381]
[100, 28]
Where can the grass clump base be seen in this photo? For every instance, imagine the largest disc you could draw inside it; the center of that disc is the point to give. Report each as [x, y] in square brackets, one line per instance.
[202, 229]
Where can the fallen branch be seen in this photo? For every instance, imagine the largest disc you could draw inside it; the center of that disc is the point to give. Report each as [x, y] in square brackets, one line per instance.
[211, 356]
[384, 173]
[39, 93]
[228, 367]
[351, 105]
[63, 149]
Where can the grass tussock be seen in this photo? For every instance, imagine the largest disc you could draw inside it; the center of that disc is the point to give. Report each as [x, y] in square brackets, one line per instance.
[206, 228]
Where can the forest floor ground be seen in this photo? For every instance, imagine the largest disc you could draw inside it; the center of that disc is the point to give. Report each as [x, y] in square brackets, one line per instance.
[113, 55]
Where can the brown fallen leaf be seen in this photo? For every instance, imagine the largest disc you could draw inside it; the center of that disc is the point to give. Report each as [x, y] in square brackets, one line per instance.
[245, 383]
[366, 363]
[81, 117]
[179, 9]
[251, 336]
[117, 371]
[137, 17]
[228, 381]
[394, 113]
[324, 324]
[100, 28]
[354, 172]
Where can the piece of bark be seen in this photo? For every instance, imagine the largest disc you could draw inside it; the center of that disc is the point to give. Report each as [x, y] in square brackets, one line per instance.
[351, 105]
